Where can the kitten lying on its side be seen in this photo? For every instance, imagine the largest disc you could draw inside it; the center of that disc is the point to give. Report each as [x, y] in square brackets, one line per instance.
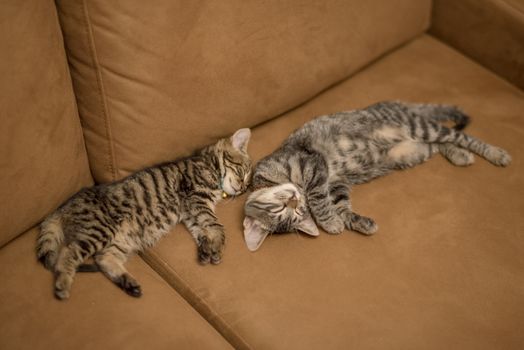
[111, 221]
[314, 169]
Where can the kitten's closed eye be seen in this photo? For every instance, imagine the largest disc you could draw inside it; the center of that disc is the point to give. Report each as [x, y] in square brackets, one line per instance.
[279, 209]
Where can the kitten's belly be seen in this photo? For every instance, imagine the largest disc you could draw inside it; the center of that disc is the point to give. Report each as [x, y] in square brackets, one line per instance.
[359, 164]
[404, 150]
[133, 237]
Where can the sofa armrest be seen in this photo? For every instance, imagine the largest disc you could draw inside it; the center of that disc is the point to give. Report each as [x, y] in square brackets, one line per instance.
[489, 31]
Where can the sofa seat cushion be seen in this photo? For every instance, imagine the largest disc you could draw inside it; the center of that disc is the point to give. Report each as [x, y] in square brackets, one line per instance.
[443, 271]
[98, 315]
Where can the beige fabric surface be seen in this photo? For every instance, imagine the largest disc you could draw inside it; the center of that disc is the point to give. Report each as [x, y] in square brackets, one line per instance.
[98, 315]
[42, 152]
[156, 82]
[489, 31]
[443, 272]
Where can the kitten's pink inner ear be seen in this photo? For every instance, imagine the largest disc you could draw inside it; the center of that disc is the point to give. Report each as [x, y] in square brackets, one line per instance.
[240, 139]
[308, 226]
[254, 235]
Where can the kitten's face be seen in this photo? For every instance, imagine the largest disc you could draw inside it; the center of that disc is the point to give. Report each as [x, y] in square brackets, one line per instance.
[236, 163]
[276, 209]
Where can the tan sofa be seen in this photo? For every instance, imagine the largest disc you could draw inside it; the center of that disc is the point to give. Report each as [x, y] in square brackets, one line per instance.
[93, 90]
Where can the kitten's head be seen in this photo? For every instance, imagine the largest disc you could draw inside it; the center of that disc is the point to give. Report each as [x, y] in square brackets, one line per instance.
[234, 162]
[276, 209]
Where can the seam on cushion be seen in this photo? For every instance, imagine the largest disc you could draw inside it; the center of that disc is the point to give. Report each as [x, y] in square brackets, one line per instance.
[73, 97]
[509, 5]
[199, 304]
[110, 151]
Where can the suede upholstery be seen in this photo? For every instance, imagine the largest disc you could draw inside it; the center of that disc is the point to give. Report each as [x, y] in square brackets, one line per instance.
[98, 315]
[43, 162]
[157, 81]
[42, 152]
[445, 268]
[154, 82]
[489, 31]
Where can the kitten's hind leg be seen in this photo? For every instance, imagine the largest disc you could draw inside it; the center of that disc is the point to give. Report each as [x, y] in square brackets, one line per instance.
[456, 155]
[111, 261]
[495, 155]
[69, 258]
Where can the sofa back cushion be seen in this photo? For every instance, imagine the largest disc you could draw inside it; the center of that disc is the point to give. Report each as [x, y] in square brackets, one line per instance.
[155, 81]
[491, 32]
[42, 152]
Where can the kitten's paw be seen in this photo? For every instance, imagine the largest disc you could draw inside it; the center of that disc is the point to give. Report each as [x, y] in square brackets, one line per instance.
[61, 294]
[334, 226]
[210, 248]
[363, 224]
[216, 258]
[498, 156]
[456, 155]
[462, 157]
[129, 285]
[63, 286]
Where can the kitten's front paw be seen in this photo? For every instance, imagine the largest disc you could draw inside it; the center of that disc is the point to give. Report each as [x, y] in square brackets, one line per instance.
[129, 285]
[210, 248]
[334, 226]
[362, 224]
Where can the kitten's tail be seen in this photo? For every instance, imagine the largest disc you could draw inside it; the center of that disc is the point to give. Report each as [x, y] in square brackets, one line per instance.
[87, 268]
[453, 114]
[49, 240]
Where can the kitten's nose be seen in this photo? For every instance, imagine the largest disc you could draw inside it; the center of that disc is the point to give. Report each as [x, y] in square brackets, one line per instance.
[292, 203]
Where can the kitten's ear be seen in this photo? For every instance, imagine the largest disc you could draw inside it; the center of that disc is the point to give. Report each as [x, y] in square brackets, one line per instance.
[308, 226]
[240, 139]
[254, 234]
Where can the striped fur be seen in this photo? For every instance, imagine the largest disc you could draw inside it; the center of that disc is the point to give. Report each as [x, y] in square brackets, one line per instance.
[109, 222]
[319, 163]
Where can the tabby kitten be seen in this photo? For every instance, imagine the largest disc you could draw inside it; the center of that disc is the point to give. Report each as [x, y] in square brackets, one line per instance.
[111, 221]
[309, 177]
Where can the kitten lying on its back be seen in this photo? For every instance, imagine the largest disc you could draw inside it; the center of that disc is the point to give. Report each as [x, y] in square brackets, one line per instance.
[112, 221]
[313, 171]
